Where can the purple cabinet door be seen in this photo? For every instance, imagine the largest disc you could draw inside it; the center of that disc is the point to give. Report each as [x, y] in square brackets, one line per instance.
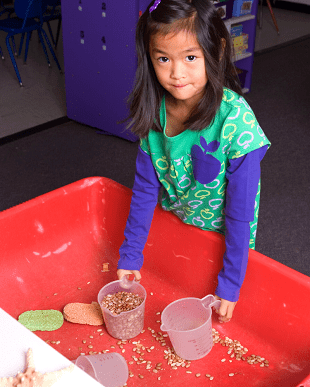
[100, 61]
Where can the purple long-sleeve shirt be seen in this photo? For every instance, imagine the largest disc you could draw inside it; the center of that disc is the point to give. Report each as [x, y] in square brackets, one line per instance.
[243, 176]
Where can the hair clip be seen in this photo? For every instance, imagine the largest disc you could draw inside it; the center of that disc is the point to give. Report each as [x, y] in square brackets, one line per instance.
[155, 5]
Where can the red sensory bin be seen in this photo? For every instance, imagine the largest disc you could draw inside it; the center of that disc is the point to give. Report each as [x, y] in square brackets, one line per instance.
[53, 251]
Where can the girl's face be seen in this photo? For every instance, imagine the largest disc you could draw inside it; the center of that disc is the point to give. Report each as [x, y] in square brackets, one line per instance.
[179, 65]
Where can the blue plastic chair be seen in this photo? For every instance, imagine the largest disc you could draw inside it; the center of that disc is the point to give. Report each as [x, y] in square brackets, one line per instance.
[27, 11]
[6, 9]
[9, 11]
[53, 13]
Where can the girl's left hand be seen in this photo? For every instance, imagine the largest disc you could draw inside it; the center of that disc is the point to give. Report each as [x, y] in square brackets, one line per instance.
[226, 309]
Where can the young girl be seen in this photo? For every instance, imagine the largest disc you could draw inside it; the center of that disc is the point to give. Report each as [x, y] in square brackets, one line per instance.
[200, 141]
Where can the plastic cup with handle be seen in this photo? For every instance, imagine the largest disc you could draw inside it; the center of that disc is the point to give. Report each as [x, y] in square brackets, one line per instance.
[125, 325]
[188, 324]
[109, 369]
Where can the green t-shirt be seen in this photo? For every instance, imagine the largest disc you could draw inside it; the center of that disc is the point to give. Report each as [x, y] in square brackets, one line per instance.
[200, 200]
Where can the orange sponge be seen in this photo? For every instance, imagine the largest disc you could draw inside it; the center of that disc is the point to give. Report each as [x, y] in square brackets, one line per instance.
[80, 313]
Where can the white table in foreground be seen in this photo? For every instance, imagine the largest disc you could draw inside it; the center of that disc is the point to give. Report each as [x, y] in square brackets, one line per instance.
[15, 340]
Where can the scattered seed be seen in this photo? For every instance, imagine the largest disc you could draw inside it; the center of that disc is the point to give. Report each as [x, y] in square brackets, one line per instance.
[235, 349]
[231, 374]
[188, 372]
[90, 346]
[84, 341]
[105, 267]
[197, 375]
[141, 376]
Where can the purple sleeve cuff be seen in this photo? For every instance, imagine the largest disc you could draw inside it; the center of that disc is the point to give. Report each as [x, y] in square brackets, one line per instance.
[243, 176]
[143, 202]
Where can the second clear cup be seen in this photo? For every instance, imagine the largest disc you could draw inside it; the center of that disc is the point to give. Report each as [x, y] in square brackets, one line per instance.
[109, 369]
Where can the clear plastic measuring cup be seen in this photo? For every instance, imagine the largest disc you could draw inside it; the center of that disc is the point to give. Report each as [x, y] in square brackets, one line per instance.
[188, 324]
[109, 369]
[125, 325]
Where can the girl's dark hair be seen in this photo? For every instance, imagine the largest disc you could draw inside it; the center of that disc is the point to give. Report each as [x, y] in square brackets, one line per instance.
[171, 16]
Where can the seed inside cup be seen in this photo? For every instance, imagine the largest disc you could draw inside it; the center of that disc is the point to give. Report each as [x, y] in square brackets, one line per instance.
[121, 302]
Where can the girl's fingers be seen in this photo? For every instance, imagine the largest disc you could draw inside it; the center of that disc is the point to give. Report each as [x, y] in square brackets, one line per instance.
[122, 273]
[137, 275]
[226, 309]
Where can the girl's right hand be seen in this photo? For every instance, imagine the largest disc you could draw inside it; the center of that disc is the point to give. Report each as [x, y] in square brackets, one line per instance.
[226, 309]
[122, 273]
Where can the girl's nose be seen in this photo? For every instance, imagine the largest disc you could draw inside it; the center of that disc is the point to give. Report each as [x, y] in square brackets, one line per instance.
[177, 71]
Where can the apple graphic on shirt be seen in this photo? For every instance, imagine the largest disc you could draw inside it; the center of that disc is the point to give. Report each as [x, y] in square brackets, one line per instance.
[205, 166]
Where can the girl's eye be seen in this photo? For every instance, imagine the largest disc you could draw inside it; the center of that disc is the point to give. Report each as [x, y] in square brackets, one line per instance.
[192, 58]
[164, 59]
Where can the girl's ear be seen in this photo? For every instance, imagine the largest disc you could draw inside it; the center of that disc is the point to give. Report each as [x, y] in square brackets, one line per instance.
[223, 48]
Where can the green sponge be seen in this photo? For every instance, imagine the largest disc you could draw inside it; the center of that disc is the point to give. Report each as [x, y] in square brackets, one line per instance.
[41, 320]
